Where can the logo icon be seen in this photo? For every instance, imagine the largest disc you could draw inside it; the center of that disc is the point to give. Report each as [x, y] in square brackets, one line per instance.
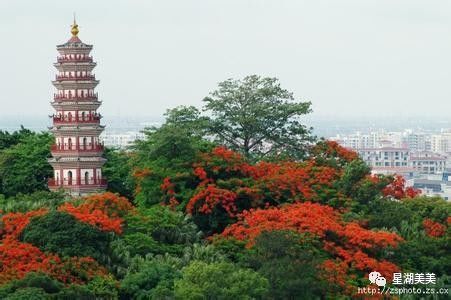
[377, 278]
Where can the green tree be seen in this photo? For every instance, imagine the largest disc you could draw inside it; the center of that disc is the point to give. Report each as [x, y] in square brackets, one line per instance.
[118, 170]
[32, 281]
[258, 118]
[158, 230]
[8, 140]
[221, 280]
[289, 261]
[30, 293]
[104, 288]
[61, 233]
[24, 167]
[26, 202]
[388, 213]
[149, 278]
[76, 291]
[176, 142]
[168, 150]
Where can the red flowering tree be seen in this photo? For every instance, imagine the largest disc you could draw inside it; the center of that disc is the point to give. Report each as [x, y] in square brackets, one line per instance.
[350, 246]
[398, 190]
[332, 154]
[18, 259]
[105, 211]
[222, 183]
[434, 229]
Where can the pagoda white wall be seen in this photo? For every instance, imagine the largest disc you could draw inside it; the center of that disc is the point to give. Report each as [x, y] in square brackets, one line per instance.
[74, 174]
[78, 92]
[74, 73]
[90, 172]
[74, 113]
[89, 139]
[65, 140]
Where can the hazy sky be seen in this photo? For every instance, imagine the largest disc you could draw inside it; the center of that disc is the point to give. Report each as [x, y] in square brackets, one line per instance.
[349, 57]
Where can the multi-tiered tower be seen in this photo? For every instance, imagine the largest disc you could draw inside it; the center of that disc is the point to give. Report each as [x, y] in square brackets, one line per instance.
[77, 152]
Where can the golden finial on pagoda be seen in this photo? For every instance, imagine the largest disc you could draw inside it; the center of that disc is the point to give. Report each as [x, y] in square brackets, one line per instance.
[74, 29]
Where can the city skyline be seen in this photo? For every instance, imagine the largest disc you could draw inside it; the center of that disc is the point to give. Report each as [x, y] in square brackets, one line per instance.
[175, 52]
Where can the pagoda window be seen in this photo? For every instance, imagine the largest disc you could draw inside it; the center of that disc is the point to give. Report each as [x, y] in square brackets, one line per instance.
[69, 116]
[85, 143]
[69, 177]
[86, 177]
[69, 143]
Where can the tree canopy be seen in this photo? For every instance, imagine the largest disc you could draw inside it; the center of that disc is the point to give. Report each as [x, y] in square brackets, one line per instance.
[257, 117]
[23, 165]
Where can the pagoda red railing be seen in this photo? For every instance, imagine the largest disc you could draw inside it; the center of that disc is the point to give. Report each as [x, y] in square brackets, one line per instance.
[70, 97]
[76, 119]
[70, 78]
[83, 182]
[73, 147]
[74, 59]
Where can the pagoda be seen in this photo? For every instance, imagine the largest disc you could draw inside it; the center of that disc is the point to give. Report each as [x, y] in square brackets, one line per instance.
[77, 152]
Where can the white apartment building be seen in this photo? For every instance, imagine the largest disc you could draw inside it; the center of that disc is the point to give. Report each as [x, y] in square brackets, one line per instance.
[417, 141]
[385, 157]
[428, 162]
[441, 143]
[121, 140]
[358, 140]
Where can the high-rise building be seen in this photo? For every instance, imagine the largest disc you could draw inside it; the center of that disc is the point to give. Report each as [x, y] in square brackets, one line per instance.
[77, 152]
[441, 143]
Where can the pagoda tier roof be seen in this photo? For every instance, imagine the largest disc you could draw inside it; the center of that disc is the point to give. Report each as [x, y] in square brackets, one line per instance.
[74, 43]
[75, 153]
[79, 84]
[75, 66]
[74, 105]
[76, 130]
[77, 162]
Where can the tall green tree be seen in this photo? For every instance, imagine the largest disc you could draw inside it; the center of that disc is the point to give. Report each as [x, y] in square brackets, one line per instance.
[168, 150]
[259, 118]
[10, 139]
[175, 143]
[118, 170]
[24, 167]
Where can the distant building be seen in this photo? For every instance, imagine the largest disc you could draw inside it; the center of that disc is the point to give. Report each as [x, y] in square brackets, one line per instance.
[428, 162]
[121, 140]
[417, 142]
[432, 187]
[441, 143]
[358, 140]
[387, 157]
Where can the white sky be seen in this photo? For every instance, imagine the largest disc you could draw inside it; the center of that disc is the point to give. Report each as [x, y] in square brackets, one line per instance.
[349, 57]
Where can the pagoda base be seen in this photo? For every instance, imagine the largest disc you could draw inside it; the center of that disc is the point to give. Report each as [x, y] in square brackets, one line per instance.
[79, 190]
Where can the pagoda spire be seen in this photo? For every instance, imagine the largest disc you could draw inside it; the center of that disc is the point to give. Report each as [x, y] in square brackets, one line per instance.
[74, 29]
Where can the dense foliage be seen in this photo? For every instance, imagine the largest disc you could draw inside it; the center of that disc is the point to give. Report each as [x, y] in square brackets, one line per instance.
[23, 162]
[191, 215]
